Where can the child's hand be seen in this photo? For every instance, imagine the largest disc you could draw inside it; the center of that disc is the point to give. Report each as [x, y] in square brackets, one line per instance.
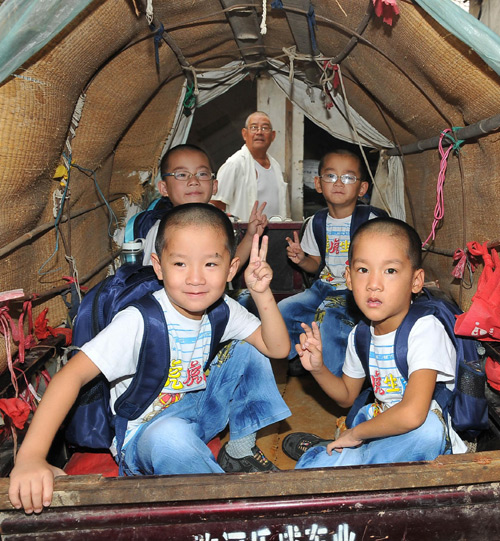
[346, 439]
[293, 250]
[310, 347]
[258, 274]
[32, 485]
[257, 221]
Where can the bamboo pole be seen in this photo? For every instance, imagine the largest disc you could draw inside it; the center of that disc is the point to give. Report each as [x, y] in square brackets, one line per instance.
[483, 127]
[47, 226]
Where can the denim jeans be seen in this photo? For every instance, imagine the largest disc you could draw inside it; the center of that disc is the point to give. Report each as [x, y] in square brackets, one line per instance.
[241, 390]
[424, 443]
[244, 297]
[335, 311]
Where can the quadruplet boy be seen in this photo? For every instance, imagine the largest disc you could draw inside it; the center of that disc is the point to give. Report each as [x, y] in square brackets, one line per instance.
[342, 179]
[194, 258]
[187, 177]
[404, 423]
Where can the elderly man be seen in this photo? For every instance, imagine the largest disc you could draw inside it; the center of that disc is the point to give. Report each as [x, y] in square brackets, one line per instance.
[251, 174]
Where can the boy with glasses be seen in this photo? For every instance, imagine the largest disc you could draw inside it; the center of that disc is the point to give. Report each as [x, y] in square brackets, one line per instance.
[251, 174]
[342, 179]
[187, 177]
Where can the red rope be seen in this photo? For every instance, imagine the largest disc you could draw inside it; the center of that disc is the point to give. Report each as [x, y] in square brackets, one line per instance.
[439, 208]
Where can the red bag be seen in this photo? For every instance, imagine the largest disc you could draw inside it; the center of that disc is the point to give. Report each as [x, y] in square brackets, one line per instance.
[492, 370]
[482, 320]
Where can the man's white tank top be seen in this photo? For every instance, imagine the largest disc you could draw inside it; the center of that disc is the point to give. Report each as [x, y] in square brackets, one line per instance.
[267, 189]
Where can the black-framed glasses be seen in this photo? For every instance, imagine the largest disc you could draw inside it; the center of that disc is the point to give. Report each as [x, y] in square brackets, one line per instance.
[184, 176]
[253, 128]
[345, 179]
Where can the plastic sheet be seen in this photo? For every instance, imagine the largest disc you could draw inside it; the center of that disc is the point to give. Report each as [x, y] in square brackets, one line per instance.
[466, 28]
[28, 25]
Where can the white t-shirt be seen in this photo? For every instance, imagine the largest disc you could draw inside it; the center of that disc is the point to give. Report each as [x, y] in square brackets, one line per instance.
[115, 351]
[338, 239]
[429, 347]
[268, 189]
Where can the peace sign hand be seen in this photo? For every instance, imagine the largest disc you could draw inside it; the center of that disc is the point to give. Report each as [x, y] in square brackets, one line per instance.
[293, 250]
[310, 347]
[258, 274]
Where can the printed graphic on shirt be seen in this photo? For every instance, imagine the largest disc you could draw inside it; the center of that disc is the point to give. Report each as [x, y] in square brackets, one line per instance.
[336, 251]
[189, 351]
[387, 382]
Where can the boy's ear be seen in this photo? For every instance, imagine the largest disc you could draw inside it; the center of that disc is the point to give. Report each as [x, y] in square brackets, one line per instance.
[215, 186]
[233, 268]
[155, 260]
[348, 282]
[363, 188]
[162, 188]
[317, 184]
[418, 281]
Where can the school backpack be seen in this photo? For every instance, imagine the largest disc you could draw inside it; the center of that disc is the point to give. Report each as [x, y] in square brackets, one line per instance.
[138, 225]
[91, 423]
[360, 215]
[466, 404]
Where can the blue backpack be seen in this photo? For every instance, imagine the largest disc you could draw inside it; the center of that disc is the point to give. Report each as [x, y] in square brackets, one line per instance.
[360, 215]
[91, 423]
[138, 225]
[466, 404]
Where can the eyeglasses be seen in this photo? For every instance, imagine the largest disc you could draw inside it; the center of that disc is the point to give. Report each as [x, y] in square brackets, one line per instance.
[186, 175]
[264, 129]
[332, 177]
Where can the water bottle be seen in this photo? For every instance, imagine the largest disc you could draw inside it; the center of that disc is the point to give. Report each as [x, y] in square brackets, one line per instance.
[132, 252]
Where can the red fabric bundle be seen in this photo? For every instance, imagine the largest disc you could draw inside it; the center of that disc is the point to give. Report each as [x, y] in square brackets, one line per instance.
[482, 320]
[387, 9]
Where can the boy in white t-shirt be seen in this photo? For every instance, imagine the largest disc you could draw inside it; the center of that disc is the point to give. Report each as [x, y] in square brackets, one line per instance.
[342, 179]
[405, 423]
[196, 248]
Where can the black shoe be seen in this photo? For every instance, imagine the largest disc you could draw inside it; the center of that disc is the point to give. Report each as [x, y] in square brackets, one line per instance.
[250, 463]
[297, 443]
[295, 368]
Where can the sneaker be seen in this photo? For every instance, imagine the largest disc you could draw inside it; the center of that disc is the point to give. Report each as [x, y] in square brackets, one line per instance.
[297, 443]
[295, 368]
[250, 463]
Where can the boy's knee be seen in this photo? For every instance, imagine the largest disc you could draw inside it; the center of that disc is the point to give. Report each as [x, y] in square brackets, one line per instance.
[168, 434]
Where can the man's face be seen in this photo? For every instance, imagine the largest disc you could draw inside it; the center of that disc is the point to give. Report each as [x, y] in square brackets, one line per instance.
[191, 190]
[258, 141]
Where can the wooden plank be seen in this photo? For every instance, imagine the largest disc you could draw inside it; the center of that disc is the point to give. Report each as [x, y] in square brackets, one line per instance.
[450, 470]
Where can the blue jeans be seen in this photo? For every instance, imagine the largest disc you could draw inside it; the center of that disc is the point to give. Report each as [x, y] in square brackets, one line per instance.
[424, 443]
[335, 311]
[241, 390]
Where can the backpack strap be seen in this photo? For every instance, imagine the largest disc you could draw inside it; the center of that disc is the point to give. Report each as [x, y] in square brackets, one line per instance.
[138, 225]
[362, 214]
[362, 340]
[154, 362]
[218, 315]
[133, 222]
[319, 231]
[151, 373]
